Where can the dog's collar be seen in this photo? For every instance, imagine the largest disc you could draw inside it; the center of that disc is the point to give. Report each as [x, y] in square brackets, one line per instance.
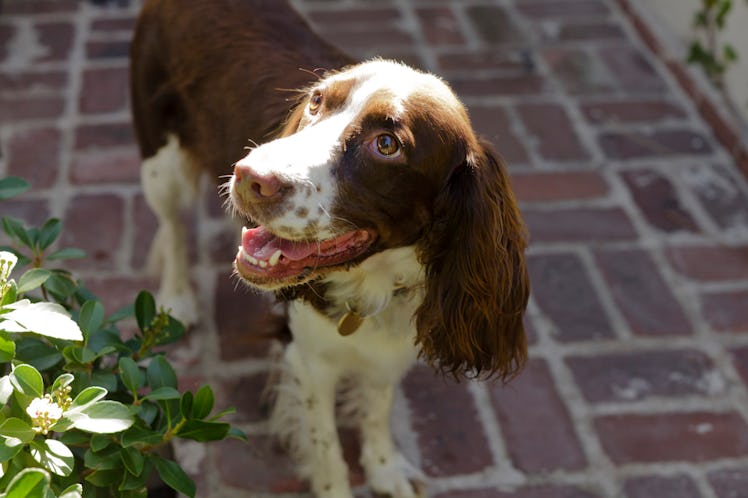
[352, 319]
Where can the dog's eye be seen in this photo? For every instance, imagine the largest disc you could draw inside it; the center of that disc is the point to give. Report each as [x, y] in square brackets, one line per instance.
[315, 102]
[387, 145]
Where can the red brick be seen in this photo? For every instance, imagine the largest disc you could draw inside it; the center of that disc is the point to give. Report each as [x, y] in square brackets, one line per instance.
[580, 72]
[26, 82]
[633, 145]
[493, 123]
[270, 468]
[578, 225]
[15, 109]
[710, 263]
[718, 191]
[109, 49]
[562, 8]
[116, 292]
[729, 483]
[644, 374]
[559, 186]
[577, 31]
[103, 135]
[223, 246]
[549, 126]
[7, 32]
[343, 18]
[537, 439]
[57, 39]
[493, 24]
[549, 491]
[564, 293]
[124, 24]
[145, 225]
[34, 212]
[113, 166]
[642, 295]
[367, 37]
[104, 90]
[679, 486]
[95, 223]
[460, 62]
[726, 311]
[440, 26]
[244, 319]
[631, 111]
[246, 393]
[34, 154]
[526, 84]
[740, 359]
[39, 6]
[658, 201]
[446, 421]
[631, 69]
[673, 437]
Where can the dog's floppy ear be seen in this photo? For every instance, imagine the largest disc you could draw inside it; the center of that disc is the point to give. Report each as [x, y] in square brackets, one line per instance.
[470, 321]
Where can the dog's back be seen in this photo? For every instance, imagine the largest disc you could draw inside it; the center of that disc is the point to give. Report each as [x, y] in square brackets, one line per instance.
[219, 74]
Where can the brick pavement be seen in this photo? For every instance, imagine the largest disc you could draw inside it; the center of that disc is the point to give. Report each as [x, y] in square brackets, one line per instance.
[638, 217]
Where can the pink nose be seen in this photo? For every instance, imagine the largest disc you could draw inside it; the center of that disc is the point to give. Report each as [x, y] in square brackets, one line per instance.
[261, 186]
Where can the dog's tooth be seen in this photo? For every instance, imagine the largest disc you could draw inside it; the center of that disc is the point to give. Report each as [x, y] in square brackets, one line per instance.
[244, 230]
[275, 257]
[263, 264]
[251, 259]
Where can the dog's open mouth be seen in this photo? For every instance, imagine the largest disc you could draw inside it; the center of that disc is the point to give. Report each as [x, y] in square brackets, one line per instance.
[265, 259]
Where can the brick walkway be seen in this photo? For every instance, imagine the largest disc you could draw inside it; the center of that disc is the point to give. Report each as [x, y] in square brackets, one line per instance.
[639, 255]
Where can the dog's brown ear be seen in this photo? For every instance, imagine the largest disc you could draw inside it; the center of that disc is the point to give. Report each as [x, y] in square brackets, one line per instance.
[470, 321]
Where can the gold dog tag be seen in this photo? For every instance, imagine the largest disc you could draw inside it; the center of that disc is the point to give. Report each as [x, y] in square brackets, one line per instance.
[349, 323]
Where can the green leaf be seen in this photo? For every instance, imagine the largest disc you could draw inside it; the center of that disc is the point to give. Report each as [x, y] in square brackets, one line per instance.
[172, 332]
[87, 397]
[137, 435]
[137, 483]
[105, 478]
[162, 394]
[145, 310]
[10, 446]
[103, 460]
[203, 404]
[133, 460]
[37, 353]
[173, 475]
[33, 279]
[100, 441]
[63, 380]
[185, 405]
[12, 186]
[103, 417]
[104, 379]
[27, 380]
[61, 285]
[160, 373]
[28, 483]
[91, 317]
[148, 412]
[132, 377]
[7, 348]
[200, 430]
[237, 433]
[54, 456]
[15, 229]
[49, 233]
[47, 319]
[10, 295]
[17, 428]
[78, 355]
[67, 253]
[74, 491]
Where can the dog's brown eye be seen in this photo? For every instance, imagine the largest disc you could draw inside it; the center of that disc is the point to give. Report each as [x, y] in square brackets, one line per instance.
[315, 102]
[387, 145]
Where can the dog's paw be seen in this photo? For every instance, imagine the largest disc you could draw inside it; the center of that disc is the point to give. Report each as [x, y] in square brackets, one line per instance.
[396, 478]
[182, 306]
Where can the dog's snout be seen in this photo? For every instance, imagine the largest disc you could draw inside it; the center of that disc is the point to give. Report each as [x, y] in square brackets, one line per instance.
[259, 185]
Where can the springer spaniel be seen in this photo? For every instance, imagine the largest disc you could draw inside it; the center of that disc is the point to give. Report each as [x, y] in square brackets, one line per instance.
[387, 225]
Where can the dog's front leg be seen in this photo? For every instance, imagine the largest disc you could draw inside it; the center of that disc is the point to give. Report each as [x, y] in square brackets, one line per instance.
[304, 417]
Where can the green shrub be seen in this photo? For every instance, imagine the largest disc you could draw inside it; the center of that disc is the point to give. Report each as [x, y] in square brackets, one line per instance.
[83, 412]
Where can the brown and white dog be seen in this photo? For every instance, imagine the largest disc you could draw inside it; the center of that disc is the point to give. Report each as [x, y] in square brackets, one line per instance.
[384, 221]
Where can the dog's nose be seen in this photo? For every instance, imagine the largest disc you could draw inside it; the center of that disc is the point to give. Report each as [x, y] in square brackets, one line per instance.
[261, 186]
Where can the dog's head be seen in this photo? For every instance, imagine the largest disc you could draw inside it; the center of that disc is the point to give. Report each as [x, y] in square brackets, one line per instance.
[379, 156]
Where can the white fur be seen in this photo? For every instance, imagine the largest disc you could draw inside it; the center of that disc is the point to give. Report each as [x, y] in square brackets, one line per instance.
[169, 186]
[370, 362]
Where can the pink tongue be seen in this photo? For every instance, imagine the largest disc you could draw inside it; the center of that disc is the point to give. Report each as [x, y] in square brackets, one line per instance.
[262, 244]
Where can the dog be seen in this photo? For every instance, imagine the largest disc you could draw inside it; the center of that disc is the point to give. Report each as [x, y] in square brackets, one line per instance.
[377, 214]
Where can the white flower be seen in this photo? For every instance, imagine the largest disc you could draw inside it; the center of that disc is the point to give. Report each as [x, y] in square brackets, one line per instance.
[44, 413]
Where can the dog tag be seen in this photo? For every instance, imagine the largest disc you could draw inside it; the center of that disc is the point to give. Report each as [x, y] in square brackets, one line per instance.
[349, 323]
